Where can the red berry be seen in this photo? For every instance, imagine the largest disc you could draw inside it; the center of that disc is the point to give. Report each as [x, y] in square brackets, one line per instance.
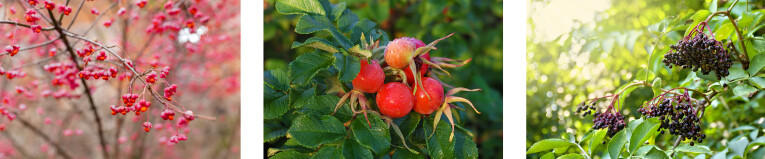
[49, 5]
[95, 11]
[426, 106]
[370, 77]
[146, 126]
[140, 3]
[399, 52]
[395, 100]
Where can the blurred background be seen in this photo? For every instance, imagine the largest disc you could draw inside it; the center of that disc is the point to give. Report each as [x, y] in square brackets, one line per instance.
[478, 34]
[581, 49]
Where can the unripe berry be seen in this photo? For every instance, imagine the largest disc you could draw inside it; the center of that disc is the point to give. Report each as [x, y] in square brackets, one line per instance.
[426, 106]
[395, 100]
[370, 77]
[399, 52]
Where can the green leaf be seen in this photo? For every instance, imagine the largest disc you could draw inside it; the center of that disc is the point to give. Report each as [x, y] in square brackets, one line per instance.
[738, 146]
[305, 67]
[352, 149]
[328, 152]
[571, 156]
[318, 43]
[756, 64]
[616, 144]
[462, 145]
[656, 86]
[361, 52]
[311, 23]
[549, 155]
[548, 144]
[402, 153]
[311, 7]
[697, 18]
[347, 21]
[276, 104]
[643, 132]
[744, 90]
[312, 131]
[337, 10]
[348, 66]
[289, 154]
[693, 149]
[713, 6]
[277, 79]
[376, 138]
[744, 128]
[757, 142]
[325, 104]
[275, 134]
[725, 31]
[736, 73]
[597, 139]
[407, 126]
[655, 153]
[643, 150]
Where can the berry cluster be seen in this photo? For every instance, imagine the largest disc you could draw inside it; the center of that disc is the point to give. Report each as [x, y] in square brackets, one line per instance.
[170, 91]
[98, 74]
[586, 109]
[167, 114]
[677, 115]
[613, 121]
[699, 52]
[12, 49]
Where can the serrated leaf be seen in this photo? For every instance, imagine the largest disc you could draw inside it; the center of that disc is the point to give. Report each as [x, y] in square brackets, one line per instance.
[312, 130]
[275, 134]
[311, 23]
[736, 73]
[756, 64]
[693, 149]
[337, 11]
[462, 145]
[744, 90]
[376, 138]
[597, 139]
[642, 132]
[276, 104]
[312, 7]
[328, 152]
[347, 21]
[306, 66]
[277, 79]
[616, 144]
[289, 154]
[738, 146]
[318, 43]
[348, 67]
[352, 149]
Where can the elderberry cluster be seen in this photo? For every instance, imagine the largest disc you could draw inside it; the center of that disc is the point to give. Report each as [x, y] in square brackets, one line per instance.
[678, 117]
[614, 122]
[586, 109]
[700, 52]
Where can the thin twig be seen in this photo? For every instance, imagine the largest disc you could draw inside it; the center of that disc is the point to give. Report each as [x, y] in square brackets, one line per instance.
[37, 132]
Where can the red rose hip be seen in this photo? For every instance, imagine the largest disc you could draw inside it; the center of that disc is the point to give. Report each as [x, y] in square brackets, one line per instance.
[370, 77]
[426, 106]
[395, 100]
